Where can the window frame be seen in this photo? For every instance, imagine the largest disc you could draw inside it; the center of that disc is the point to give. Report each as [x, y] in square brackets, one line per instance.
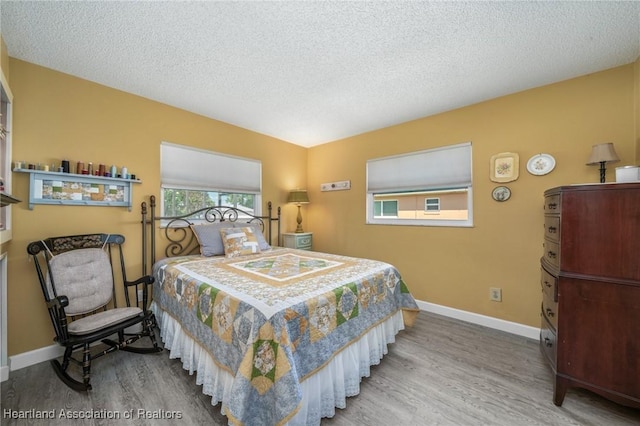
[199, 187]
[426, 205]
[463, 183]
[382, 208]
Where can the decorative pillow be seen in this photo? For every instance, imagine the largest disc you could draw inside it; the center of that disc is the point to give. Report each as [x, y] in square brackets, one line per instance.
[208, 236]
[257, 230]
[239, 241]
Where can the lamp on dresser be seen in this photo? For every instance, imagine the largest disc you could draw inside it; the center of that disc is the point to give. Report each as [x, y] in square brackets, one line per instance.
[602, 154]
[299, 197]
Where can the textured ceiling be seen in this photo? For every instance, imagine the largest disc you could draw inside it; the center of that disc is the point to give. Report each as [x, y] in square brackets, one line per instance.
[314, 72]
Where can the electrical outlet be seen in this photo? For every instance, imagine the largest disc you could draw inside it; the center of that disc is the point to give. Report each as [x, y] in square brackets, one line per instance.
[495, 294]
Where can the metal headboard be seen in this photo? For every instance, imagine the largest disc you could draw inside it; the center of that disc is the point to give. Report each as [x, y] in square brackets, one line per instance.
[180, 237]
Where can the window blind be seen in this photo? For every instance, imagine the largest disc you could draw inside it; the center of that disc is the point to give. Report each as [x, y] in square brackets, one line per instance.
[440, 168]
[193, 168]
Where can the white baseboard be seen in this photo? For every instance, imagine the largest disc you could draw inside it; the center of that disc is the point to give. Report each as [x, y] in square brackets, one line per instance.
[26, 359]
[54, 351]
[486, 321]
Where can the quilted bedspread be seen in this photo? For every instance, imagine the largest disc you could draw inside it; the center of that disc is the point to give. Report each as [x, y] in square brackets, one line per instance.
[274, 318]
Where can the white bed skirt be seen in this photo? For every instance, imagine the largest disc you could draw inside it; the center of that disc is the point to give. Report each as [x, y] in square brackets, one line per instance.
[322, 392]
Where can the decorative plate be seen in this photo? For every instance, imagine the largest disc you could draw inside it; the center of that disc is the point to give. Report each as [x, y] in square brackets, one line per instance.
[501, 193]
[504, 167]
[541, 164]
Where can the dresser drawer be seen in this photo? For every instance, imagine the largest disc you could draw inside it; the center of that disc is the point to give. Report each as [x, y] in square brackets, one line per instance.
[548, 342]
[552, 228]
[302, 241]
[550, 310]
[552, 204]
[549, 284]
[552, 252]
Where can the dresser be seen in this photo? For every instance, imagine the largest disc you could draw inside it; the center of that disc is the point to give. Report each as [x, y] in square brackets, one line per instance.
[590, 278]
[297, 240]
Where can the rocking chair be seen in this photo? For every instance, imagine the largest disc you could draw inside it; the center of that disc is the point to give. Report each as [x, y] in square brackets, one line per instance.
[77, 277]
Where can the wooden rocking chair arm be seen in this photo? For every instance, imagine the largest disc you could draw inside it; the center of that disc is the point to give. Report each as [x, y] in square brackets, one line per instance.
[59, 302]
[59, 317]
[147, 279]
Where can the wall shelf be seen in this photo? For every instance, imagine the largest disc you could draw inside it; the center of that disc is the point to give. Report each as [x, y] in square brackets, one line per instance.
[6, 199]
[78, 190]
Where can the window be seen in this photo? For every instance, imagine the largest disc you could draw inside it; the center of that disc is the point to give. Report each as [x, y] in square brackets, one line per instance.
[192, 179]
[177, 202]
[432, 205]
[431, 187]
[386, 208]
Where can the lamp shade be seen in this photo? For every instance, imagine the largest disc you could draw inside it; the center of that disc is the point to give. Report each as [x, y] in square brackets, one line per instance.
[298, 196]
[603, 152]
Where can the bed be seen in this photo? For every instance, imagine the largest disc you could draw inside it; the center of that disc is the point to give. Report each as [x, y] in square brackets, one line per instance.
[276, 335]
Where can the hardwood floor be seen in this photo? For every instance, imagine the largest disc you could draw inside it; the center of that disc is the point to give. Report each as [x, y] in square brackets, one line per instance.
[440, 372]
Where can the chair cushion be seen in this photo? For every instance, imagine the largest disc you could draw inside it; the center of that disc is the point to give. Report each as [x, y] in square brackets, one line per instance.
[101, 320]
[85, 277]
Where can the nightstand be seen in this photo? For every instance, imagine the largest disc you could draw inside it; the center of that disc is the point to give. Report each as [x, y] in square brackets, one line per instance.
[297, 240]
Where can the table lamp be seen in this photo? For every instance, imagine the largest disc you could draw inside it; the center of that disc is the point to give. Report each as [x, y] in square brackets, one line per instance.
[299, 197]
[602, 154]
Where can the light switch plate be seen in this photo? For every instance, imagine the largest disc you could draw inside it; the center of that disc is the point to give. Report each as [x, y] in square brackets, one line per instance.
[336, 186]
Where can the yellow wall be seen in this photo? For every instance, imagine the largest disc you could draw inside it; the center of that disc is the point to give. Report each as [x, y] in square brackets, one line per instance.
[456, 267]
[58, 116]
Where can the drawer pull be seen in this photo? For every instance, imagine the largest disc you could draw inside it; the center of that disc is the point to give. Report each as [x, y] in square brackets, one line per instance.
[547, 283]
[548, 342]
[550, 313]
[552, 229]
[551, 254]
[553, 206]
